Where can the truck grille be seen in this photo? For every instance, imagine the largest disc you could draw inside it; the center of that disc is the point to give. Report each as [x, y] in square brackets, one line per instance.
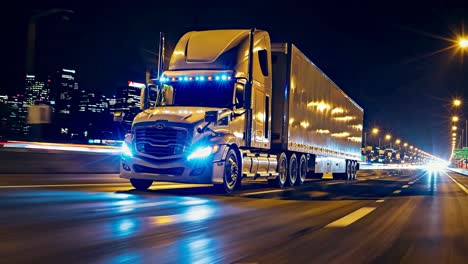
[160, 142]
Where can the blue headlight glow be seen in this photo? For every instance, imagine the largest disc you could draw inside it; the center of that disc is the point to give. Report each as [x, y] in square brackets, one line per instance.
[224, 77]
[200, 153]
[126, 151]
[185, 78]
[163, 79]
[202, 78]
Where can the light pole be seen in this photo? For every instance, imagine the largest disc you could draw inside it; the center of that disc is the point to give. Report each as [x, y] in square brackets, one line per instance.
[31, 38]
[374, 131]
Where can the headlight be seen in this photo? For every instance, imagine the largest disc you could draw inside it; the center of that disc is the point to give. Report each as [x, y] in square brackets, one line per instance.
[126, 150]
[202, 152]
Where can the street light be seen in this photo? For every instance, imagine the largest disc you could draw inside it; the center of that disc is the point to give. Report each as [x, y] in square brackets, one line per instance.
[456, 102]
[32, 35]
[455, 118]
[463, 42]
[374, 131]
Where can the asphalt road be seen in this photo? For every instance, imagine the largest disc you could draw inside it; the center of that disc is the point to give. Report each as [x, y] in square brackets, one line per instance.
[384, 217]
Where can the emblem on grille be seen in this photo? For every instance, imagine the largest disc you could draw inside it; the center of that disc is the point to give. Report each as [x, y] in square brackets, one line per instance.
[159, 126]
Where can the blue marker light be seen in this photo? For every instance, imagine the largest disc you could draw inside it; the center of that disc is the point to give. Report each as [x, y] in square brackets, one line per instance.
[197, 78]
[217, 78]
[181, 78]
[224, 77]
[185, 78]
[202, 78]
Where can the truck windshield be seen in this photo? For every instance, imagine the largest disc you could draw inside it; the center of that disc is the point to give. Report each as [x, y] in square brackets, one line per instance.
[206, 94]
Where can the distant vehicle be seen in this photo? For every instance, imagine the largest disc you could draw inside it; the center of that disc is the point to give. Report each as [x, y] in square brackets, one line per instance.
[232, 105]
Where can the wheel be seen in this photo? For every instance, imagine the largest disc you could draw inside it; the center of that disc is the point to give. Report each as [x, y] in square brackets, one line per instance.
[140, 184]
[349, 170]
[283, 171]
[354, 170]
[302, 170]
[231, 177]
[293, 170]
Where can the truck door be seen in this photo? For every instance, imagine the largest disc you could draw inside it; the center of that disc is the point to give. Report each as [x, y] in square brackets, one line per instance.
[262, 92]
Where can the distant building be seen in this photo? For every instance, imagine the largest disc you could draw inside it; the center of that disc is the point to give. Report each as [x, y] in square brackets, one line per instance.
[4, 113]
[36, 92]
[65, 101]
[125, 105]
[17, 116]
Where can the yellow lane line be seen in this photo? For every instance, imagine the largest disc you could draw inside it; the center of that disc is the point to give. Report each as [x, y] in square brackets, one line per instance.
[351, 218]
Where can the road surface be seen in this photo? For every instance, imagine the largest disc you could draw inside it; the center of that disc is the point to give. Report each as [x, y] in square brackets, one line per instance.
[384, 217]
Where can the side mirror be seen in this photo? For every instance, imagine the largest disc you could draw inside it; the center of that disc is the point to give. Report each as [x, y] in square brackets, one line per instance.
[143, 99]
[211, 117]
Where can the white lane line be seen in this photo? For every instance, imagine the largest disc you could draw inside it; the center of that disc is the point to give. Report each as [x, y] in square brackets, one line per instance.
[459, 184]
[397, 191]
[380, 201]
[410, 182]
[270, 191]
[351, 218]
[65, 185]
[331, 183]
[405, 186]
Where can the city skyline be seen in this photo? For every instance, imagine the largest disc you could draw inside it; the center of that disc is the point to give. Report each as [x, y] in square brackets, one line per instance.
[392, 66]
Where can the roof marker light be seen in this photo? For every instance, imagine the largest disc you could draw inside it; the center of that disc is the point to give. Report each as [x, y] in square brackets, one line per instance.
[197, 78]
[173, 79]
[217, 78]
[210, 78]
[191, 78]
[202, 78]
[181, 78]
[224, 77]
[185, 78]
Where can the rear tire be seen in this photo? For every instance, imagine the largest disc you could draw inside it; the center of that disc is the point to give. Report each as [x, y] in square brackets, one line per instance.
[140, 184]
[293, 170]
[302, 170]
[283, 172]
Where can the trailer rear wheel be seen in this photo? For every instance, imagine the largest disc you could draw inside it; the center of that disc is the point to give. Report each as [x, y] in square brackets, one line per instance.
[349, 170]
[283, 171]
[140, 184]
[293, 170]
[354, 170]
[302, 170]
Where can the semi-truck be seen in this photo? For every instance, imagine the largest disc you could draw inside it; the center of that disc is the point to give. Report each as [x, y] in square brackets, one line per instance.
[231, 106]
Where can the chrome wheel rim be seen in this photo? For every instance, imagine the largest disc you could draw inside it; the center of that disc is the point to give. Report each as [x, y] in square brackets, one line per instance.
[231, 172]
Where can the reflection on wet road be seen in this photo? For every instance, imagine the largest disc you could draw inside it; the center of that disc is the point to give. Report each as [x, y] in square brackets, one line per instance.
[384, 217]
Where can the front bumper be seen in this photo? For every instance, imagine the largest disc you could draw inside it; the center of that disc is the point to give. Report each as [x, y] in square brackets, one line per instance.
[205, 171]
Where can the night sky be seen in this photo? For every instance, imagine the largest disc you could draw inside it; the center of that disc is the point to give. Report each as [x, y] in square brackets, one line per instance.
[377, 52]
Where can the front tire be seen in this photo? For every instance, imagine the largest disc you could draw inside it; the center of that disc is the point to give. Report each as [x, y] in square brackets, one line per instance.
[140, 184]
[232, 176]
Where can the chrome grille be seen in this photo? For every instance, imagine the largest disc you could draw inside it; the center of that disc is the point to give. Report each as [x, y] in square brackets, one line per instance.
[160, 142]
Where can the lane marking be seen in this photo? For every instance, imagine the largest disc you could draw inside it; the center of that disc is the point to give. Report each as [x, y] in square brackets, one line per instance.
[331, 183]
[397, 191]
[405, 186]
[380, 201]
[410, 182]
[270, 191]
[351, 218]
[459, 184]
[65, 185]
